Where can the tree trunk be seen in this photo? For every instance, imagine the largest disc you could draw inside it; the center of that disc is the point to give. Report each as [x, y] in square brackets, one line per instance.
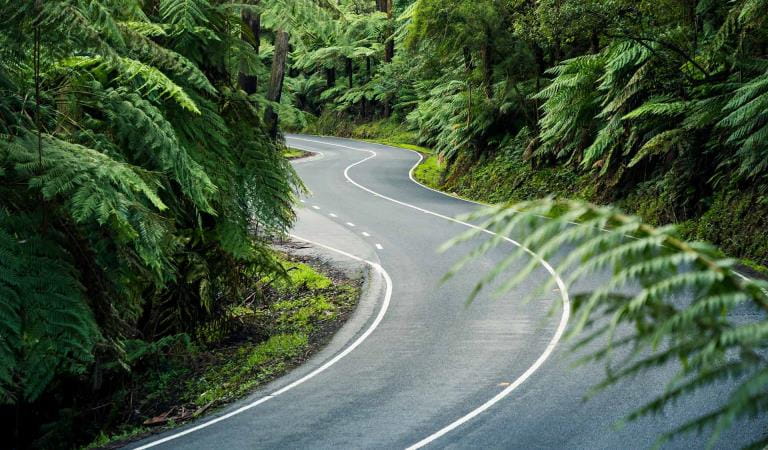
[330, 77]
[275, 89]
[487, 56]
[249, 83]
[385, 6]
[349, 71]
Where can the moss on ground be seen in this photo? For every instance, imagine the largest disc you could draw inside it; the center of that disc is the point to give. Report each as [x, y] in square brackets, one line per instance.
[296, 316]
[300, 276]
[294, 153]
[430, 172]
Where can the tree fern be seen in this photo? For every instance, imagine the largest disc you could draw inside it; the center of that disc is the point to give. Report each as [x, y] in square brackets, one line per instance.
[571, 102]
[140, 124]
[151, 197]
[189, 14]
[169, 61]
[747, 124]
[47, 327]
[147, 79]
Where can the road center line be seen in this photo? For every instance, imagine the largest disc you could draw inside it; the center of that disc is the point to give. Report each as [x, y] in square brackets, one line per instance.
[558, 280]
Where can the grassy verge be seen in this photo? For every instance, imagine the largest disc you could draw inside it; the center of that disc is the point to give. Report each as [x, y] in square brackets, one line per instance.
[296, 317]
[295, 153]
[430, 171]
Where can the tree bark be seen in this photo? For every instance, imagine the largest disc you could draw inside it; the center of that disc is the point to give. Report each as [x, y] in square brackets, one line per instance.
[275, 88]
[330, 77]
[249, 83]
[350, 69]
[385, 6]
[487, 56]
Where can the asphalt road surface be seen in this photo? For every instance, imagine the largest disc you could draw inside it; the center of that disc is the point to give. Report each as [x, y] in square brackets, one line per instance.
[416, 365]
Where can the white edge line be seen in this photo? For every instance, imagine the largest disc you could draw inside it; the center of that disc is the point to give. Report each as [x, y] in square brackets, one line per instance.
[559, 281]
[329, 363]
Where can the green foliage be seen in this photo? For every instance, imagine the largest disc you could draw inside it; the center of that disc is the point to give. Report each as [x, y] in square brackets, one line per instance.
[46, 324]
[638, 312]
[138, 190]
[300, 276]
[571, 103]
[629, 94]
[249, 367]
[429, 172]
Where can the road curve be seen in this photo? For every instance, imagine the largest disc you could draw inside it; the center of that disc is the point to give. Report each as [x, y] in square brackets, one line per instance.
[418, 367]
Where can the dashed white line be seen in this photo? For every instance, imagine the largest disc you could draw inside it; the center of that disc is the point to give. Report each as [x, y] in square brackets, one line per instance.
[558, 280]
[315, 206]
[303, 201]
[378, 246]
[365, 233]
[333, 215]
[350, 224]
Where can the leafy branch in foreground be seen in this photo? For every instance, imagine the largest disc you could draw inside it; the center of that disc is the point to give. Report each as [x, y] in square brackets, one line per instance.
[665, 301]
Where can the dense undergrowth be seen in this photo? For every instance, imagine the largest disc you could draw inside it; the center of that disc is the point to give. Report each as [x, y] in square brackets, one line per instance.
[178, 381]
[733, 220]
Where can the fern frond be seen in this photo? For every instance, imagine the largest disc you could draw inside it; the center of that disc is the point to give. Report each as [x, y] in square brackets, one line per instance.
[664, 300]
[146, 78]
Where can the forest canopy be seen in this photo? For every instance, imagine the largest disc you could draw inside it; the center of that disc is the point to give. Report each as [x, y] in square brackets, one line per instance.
[661, 105]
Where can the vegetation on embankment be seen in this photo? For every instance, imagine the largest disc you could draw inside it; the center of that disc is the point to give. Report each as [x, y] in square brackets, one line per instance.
[734, 221]
[263, 338]
[659, 105]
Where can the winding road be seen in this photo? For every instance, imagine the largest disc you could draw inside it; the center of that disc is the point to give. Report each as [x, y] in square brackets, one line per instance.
[416, 366]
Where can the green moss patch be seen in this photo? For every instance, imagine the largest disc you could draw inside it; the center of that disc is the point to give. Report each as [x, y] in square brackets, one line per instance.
[300, 276]
[294, 153]
[429, 172]
[295, 316]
